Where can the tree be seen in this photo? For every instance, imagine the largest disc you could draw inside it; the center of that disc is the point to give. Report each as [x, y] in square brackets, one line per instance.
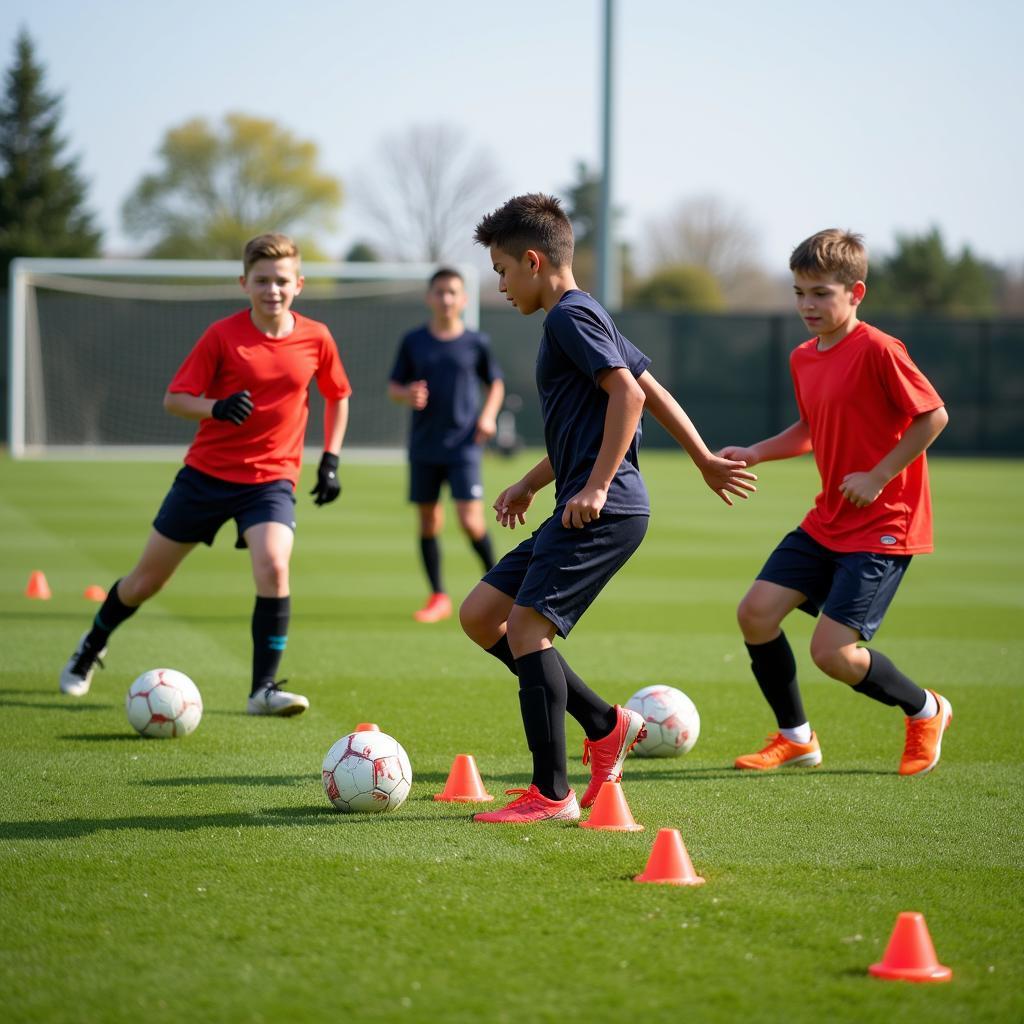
[361, 252]
[42, 194]
[679, 286]
[221, 186]
[427, 190]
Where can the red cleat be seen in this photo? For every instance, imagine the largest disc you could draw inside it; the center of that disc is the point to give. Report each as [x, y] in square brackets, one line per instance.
[782, 753]
[924, 739]
[605, 756]
[531, 806]
[438, 607]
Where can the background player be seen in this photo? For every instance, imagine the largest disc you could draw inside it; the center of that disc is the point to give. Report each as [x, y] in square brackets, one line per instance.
[246, 382]
[438, 372]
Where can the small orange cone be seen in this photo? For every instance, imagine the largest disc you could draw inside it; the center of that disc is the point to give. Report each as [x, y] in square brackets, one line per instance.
[37, 587]
[910, 955]
[611, 812]
[669, 862]
[367, 727]
[95, 593]
[464, 784]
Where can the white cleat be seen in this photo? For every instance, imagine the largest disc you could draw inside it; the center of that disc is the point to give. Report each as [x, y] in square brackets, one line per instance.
[273, 701]
[76, 676]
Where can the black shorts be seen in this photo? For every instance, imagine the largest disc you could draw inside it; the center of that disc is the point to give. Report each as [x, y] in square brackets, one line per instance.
[197, 505]
[426, 478]
[558, 571]
[854, 588]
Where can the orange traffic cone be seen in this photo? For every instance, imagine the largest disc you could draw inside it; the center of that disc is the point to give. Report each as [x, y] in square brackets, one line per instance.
[910, 955]
[367, 727]
[95, 593]
[669, 862]
[37, 587]
[464, 784]
[611, 812]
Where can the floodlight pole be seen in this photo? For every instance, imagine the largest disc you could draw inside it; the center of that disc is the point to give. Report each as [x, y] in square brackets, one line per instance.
[609, 291]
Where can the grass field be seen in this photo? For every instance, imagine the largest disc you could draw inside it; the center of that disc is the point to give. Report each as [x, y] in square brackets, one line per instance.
[207, 879]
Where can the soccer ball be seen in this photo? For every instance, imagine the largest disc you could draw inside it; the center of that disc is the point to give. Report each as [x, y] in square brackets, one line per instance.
[163, 702]
[673, 722]
[367, 771]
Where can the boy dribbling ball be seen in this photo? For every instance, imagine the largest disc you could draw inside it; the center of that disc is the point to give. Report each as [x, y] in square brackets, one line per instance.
[246, 382]
[868, 414]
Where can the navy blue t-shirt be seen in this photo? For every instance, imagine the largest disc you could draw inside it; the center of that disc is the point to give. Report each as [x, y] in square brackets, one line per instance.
[579, 341]
[442, 432]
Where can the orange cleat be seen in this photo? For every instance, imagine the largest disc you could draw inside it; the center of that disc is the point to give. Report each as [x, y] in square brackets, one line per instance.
[531, 806]
[924, 739]
[438, 607]
[782, 753]
[605, 756]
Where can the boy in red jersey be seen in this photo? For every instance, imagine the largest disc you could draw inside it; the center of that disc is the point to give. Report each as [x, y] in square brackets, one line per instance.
[246, 383]
[868, 414]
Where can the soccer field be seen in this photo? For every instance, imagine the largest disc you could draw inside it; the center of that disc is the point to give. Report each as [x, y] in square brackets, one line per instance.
[208, 879]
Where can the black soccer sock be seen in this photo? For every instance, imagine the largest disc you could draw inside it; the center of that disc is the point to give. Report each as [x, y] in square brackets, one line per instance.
[542, 693]
[885, 683]
[484, 549]
[503, 653]
[594, 713]
[270, 619]
[430, 551]
[111, 614]
[774, 668]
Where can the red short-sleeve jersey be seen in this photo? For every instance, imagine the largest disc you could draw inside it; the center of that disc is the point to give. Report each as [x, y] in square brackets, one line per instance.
[234, 355]
[858, 398]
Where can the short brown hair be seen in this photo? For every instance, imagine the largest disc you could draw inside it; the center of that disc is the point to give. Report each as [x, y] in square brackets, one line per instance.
[841, 254]
[268, 247]
[532, 221]
[441, 274]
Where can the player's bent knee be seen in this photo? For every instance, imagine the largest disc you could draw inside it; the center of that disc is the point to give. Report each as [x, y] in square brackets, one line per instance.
[830, 660]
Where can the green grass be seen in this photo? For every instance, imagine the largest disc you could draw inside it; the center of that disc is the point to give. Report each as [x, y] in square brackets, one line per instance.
[207, 879]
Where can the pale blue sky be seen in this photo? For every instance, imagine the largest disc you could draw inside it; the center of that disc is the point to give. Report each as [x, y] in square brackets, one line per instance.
[884, 116]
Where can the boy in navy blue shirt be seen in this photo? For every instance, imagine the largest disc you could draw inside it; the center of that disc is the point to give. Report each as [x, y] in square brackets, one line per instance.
[437, 373]
[594, 385]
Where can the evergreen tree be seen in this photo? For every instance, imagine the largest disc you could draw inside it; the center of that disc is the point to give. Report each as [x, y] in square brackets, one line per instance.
[42, 194]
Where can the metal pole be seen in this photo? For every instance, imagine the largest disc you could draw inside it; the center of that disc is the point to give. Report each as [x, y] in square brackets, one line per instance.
[608, 283]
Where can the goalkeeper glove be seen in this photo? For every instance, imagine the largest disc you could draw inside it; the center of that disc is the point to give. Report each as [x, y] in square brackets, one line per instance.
[235, 408]
[328, 486]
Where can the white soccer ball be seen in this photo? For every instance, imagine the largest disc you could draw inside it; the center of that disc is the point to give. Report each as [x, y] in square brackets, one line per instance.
[163, 702]
[367, 771]
[673, 722]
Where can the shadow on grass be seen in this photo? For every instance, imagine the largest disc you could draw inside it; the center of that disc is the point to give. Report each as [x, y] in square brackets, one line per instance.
[52, 705]
[103, 737]
[718, 773]
[228, 780]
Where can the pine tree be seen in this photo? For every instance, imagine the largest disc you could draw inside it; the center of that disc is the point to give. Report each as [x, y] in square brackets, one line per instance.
[42, 194]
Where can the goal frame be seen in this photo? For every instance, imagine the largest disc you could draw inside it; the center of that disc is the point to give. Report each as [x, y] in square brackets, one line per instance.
[25, 270]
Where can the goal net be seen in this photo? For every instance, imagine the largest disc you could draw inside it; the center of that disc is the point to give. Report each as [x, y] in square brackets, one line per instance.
[94, 343]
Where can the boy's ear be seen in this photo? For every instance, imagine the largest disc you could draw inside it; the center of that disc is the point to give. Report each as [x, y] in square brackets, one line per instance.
[859, 290]
[533, 259]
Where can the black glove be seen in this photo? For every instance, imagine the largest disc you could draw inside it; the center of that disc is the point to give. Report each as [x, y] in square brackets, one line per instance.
[235, 407]
[328, 486]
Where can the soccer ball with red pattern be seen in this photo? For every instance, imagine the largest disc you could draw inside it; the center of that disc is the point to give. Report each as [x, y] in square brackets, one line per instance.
[163, 702]
[367, 771]
[673, 722]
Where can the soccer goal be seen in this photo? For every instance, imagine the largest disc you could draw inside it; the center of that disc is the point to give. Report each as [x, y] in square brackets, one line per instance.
[93, 344]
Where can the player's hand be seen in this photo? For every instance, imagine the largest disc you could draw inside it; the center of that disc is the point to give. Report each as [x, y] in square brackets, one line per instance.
[584, 507]
[486, 428]
[235, 408]
[861, 489]
[510, 506]
[418, 394]
[727, 475]
[739, 454]
[328, 486]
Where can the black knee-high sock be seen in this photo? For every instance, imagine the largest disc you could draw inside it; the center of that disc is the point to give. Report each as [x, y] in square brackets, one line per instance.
[542, 703]
[111, 614]
[484, 550]
[270, 619]
[885, 683]
[594, 713]
[430, 551]
[503, 653]
[774, 668]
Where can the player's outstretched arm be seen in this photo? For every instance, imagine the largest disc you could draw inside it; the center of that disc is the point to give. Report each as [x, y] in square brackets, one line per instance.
[724, 474]
[510, 506]
[328, 484]
[794, 440]
[235, 408]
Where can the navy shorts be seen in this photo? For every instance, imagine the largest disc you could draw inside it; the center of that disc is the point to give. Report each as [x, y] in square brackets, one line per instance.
[854, 588]
[425, 479]
[197, 505]
[558, 571]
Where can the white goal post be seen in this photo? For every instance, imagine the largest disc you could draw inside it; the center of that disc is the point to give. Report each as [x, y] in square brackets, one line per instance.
[94, 342]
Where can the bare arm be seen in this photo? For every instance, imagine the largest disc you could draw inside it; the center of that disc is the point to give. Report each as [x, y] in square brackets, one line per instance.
[335, 424]
[794, 440]
[510, 506]
[414, 394]
[487, 421]
[188, 407]
[863, 488]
